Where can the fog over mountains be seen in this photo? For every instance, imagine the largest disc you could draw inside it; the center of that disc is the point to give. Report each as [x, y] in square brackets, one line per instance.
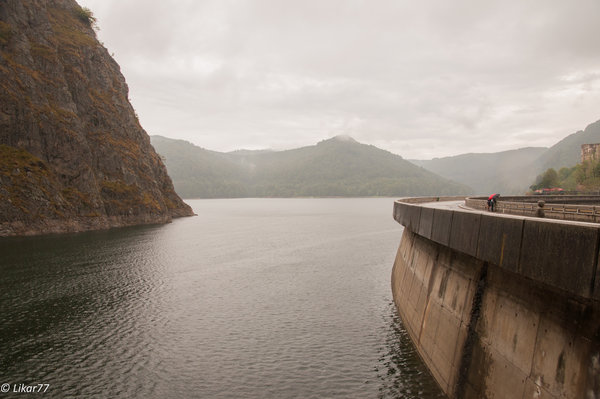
[505, 172]
[343, 167]
[336, 167]
[512, 172]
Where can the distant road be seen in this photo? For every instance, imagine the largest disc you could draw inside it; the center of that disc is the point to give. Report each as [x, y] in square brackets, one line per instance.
[445, 205]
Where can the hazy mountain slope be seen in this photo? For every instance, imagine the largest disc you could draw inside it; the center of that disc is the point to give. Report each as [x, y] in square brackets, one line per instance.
[512, 172]
[344, 167]
[335, 167]
[508, 172]
[73, 155]
[200, 173]
[567, 152]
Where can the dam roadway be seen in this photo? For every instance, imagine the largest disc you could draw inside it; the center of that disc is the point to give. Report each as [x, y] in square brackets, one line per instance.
[499, 305]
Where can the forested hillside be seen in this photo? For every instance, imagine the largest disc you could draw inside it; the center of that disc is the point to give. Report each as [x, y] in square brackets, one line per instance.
[508, 172]
[512, 172]
[567, 152]
[334, 167]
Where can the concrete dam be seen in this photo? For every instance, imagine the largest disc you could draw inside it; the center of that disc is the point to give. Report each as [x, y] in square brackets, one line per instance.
[500, 305]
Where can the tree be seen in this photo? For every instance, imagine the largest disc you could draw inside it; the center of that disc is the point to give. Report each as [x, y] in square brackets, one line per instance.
[596, 170]
[564, 173]
[548, 180]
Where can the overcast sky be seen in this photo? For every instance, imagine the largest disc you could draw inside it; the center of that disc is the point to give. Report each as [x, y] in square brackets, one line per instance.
[421, 79]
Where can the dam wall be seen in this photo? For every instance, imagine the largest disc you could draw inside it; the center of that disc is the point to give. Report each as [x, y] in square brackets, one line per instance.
[500, 306]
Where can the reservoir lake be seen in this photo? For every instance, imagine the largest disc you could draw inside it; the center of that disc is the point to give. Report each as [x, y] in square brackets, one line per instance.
[252, 298]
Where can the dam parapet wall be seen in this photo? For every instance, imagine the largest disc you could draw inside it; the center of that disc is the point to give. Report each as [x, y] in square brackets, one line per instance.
[500, 305]
[561, 207]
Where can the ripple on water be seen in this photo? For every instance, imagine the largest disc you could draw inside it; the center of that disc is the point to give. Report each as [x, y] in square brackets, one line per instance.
[252, 299]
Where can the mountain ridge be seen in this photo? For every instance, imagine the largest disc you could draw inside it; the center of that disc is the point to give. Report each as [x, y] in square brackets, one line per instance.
[512, 171]
[567, 152]
[332, 167]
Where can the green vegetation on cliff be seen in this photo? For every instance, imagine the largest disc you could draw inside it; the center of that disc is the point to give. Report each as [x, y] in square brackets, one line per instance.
[87, 16]
[581, 177]
[335, 167]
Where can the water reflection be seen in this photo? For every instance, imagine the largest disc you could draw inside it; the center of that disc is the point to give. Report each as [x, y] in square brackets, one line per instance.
[400, 370]
[252, 299]
[76, 311]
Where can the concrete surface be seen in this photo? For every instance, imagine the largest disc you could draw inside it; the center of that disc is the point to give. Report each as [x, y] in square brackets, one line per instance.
[500, 306]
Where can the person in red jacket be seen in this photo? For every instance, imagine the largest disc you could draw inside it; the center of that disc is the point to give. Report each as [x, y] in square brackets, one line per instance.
[491, 202]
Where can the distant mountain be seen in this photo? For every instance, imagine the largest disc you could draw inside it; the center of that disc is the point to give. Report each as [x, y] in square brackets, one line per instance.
[247, 152]
[508, 172]
[200, 173]
[567, 152]
[336, 167]
[512, 172]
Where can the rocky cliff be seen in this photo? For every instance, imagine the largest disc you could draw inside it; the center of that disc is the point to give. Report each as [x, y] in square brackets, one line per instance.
[73, 155]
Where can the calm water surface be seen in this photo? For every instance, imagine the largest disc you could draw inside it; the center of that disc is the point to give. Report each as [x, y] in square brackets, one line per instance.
[253, 298]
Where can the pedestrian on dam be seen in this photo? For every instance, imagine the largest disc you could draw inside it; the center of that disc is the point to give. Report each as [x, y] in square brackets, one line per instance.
[491, 202]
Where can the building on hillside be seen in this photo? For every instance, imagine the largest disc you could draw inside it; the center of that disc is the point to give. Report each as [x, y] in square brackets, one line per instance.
[590, 152]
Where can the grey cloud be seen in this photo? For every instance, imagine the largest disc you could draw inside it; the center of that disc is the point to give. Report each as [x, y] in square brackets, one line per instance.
[420, 79]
